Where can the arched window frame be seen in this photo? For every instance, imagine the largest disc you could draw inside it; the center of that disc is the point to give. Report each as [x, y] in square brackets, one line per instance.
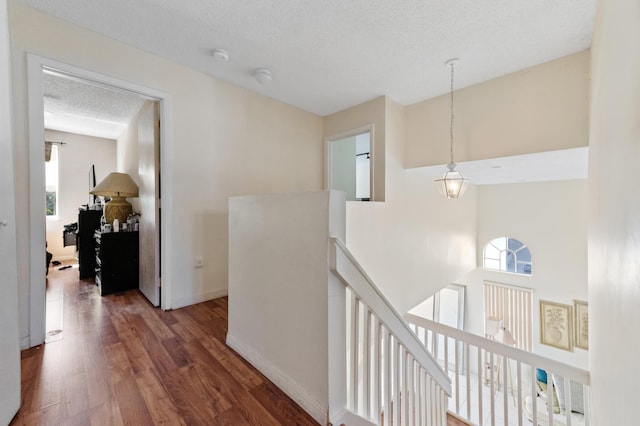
[506, 254]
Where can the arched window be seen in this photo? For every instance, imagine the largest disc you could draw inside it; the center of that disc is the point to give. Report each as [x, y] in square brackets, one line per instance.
[506, 254]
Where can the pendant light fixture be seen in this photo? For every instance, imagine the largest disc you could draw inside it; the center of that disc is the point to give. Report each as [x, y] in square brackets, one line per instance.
[452, 184]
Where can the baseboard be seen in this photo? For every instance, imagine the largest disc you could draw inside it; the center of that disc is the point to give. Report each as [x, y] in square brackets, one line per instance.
[315, 408]
[181, 302]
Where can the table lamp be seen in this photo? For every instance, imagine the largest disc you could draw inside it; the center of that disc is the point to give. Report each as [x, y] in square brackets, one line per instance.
[504, 336]
[118, 186]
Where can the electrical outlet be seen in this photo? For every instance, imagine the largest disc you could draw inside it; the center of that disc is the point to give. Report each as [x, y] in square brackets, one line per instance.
[199, 262]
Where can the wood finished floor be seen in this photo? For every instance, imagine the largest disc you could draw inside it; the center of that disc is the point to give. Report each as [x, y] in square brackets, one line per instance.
[122, 362]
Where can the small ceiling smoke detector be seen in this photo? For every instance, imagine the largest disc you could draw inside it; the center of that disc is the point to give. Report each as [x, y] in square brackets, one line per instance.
[263, 75]
[220, 55]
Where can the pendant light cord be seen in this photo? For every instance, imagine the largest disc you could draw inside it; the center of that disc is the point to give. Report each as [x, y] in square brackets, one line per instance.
[452, 116]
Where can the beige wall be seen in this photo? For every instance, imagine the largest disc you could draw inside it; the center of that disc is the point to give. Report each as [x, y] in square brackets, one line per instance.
[75, 158]
[614, 213]
[415, 243]
[127, 154]
[278, 289]
[542, 108]
[223, 141]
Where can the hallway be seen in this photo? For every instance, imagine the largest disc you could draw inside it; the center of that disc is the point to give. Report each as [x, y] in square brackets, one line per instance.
[120, 361]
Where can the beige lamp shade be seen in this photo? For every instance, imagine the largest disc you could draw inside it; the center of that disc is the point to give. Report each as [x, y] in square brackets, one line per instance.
[504, 336]
[118, 186]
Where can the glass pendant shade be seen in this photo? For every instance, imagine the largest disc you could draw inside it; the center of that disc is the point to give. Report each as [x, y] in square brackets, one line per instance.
[452, 184]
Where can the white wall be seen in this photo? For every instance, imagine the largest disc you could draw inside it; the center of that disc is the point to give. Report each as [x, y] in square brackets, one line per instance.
[10, 348]
[127, 154]
[415, 243]
[542, 108]
[75, 158]
[614, 214]
[222, 141]
[551, 219]
[278, 288]
[343, 166]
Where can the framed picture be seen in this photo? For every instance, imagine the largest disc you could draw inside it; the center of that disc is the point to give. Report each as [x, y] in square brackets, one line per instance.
[556, 325]
[581, 327]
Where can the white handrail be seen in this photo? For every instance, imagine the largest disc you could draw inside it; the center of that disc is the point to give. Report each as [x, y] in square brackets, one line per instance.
[517, 368]
[388, 375]
[353, 274]
[565, 370]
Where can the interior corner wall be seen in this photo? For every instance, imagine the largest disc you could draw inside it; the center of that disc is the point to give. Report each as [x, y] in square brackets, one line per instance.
[127, 153]
[415, 243]
[75, 159]
[356, 117]
[614, 214]
[221, 140]
[542, 108]
[551, 219]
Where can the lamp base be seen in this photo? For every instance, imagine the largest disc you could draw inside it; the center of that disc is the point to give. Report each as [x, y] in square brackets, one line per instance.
[118, 208]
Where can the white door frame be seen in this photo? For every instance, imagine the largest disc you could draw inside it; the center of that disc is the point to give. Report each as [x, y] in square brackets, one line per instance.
[35, 66]
[328, 167]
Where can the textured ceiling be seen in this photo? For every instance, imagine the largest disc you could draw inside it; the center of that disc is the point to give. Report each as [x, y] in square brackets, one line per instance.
[327, 55]
[71, 105]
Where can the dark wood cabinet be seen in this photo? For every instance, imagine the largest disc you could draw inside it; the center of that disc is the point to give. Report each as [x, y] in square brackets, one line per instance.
[88, 222]
[116, 255]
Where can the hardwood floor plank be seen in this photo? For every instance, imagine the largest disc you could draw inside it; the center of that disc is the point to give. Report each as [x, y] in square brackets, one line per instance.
[196, 405]
[188, 322]
[231, 417]
[157, 326]
[161, 359]
[48, 416]
[176, 351]
[106, 414]
[286, 411]
[166, 317]
[121, 361]
[75, 397]
[156, 397]
[251, 410]
[132, 406]
[233, 363]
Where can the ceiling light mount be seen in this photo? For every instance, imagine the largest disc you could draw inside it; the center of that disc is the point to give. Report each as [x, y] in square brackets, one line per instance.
[452, 184]
[263, 75]
[220, 55]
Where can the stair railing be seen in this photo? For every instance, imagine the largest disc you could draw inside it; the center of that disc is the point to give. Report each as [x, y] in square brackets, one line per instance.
[379, 369]
[493, 383]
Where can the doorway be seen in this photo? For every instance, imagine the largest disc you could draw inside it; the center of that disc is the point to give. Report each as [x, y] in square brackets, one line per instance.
[38, 69]
[349, 165]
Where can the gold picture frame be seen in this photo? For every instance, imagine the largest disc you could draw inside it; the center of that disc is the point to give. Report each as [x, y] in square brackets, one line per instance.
[556, 325]
[581, 324]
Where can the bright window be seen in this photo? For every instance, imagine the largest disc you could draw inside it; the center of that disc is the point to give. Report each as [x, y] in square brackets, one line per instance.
[506, 254]
[51, 183]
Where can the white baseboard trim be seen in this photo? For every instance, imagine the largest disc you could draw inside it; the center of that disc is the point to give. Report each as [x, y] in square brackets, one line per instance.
[181, 302]
[309, 404]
